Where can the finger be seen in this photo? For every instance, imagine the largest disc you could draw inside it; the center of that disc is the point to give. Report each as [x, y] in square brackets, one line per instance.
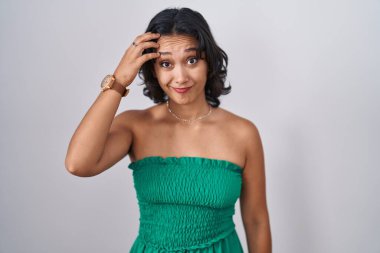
[142, 35]
[144, 45]
[150, 47]
[146, 57]
[146, 37]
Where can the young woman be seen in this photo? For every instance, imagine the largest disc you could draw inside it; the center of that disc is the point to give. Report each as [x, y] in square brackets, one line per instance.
[191, 159]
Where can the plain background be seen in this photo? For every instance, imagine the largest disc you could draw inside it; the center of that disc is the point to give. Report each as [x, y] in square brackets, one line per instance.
[305, 72]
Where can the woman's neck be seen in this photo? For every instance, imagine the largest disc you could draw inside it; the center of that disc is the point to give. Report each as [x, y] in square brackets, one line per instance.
[189, 111]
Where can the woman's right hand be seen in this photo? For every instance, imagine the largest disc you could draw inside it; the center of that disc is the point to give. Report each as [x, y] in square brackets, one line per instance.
[133, 58]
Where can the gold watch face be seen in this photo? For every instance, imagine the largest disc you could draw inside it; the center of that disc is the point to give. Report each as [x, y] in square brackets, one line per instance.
[107, 81]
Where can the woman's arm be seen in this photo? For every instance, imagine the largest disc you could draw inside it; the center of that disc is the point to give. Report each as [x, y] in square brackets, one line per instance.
[253, 203]
[99, 133]
[101, 139]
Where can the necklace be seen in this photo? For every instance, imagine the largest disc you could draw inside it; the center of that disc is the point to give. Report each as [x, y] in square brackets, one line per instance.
[188, 120]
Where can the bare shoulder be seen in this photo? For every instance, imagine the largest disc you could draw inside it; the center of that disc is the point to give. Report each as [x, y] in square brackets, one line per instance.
[244, 125]
[127, 118]
[242, 129]
[134, 117]
[133, 113]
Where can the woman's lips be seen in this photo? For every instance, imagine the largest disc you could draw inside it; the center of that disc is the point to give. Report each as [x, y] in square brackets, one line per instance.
[182, 90]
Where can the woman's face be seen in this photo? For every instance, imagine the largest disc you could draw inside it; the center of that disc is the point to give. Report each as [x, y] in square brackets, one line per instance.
[179, 67]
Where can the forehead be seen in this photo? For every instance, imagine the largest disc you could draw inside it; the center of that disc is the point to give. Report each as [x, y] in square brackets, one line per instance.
[176, 43]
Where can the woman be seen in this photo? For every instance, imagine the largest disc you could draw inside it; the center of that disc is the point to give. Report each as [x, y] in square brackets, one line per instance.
[191, 159]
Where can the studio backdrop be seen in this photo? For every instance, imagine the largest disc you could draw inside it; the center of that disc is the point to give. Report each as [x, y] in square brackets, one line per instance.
[305, 72]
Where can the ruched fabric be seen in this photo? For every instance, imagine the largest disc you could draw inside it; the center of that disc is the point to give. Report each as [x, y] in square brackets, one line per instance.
[186, 204]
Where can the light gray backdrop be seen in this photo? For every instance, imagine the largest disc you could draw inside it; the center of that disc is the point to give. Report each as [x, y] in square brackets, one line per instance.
[305, 72]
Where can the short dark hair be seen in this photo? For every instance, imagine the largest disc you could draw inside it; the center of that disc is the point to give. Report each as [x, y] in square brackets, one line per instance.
[184, 21]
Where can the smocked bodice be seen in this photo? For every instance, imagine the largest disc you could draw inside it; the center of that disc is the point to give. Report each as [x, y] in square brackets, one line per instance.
[185, 202]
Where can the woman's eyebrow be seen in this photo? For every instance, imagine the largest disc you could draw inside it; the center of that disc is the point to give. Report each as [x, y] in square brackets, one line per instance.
[186, 50]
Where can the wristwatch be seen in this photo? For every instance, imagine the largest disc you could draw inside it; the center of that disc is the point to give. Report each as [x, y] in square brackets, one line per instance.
[109, 82]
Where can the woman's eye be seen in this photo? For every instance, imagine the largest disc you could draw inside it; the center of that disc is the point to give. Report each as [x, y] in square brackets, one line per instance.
[193, 60]
[165, 64]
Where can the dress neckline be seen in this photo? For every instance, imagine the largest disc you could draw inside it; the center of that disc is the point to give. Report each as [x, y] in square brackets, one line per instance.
[186, 159]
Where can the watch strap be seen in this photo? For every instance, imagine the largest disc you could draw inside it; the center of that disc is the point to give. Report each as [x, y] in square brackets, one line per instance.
[120, 88]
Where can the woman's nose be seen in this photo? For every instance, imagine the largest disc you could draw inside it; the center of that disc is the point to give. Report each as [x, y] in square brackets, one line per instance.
[181, 75]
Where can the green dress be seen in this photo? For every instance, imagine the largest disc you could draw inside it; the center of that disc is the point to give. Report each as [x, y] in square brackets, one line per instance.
[186, 204]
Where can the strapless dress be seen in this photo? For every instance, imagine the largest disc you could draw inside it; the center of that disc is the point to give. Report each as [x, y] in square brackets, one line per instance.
[186, 204]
